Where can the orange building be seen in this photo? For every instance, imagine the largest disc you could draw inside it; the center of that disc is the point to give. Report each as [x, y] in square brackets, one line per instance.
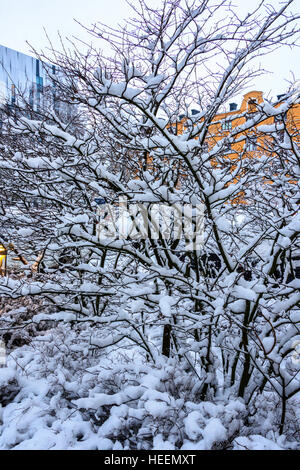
[250, 140]
[250, 143]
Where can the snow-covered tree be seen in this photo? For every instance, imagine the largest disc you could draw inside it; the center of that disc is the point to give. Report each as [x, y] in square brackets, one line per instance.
[228, 310]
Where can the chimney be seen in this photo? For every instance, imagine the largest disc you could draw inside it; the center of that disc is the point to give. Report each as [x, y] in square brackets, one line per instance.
[232, 106]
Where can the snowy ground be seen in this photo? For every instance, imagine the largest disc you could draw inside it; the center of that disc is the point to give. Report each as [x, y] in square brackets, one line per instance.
[58, 392]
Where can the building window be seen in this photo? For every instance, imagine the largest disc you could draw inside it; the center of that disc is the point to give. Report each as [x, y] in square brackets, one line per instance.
[252, 105]
[13, 94]
[39, 90]
[31, 97]
[39, 84]
[226, 125]
[205, 147]
[227, 146]
[280, 118]
[37, 67]
[3, 260]
[56, 105]
[251, 144]
[173, 129]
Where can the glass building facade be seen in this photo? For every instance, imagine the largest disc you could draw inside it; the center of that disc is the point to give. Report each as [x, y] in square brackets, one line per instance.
[21, 74]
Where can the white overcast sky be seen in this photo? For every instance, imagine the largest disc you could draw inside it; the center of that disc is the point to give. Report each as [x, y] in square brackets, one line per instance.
[24, 20]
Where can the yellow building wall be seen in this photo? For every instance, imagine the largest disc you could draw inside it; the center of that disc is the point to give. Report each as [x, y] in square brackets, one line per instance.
[238, 149]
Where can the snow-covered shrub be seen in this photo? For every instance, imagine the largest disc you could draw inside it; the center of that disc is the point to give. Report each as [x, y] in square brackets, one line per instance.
[131, 406]
[9, 386]
[58, 394]
[229, 307]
